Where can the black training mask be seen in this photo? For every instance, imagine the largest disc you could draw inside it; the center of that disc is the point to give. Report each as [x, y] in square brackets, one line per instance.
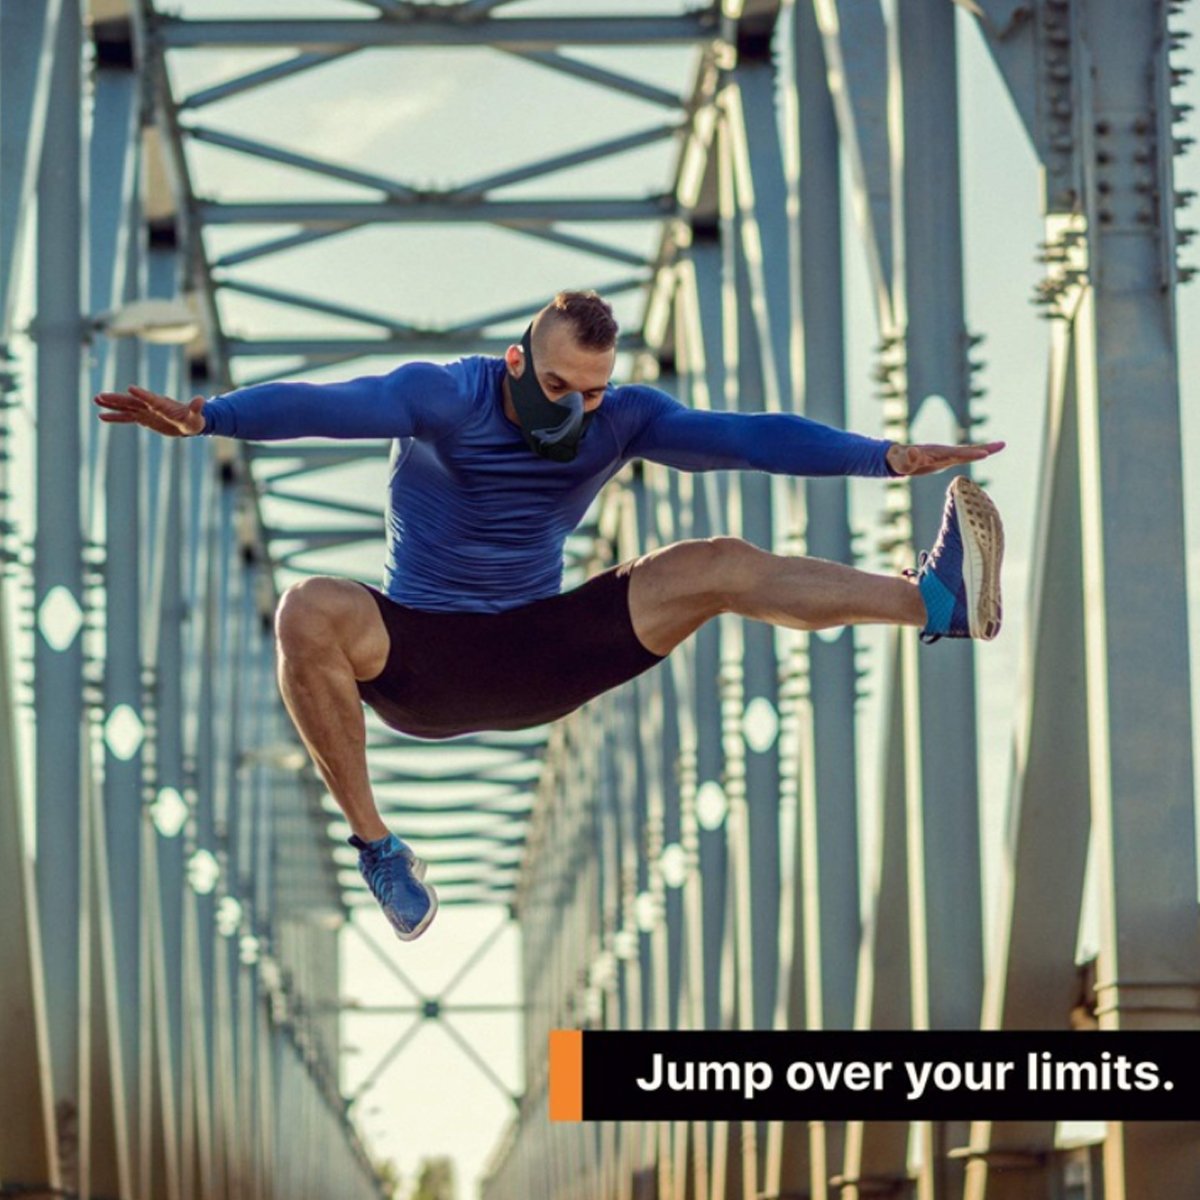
[551, 429]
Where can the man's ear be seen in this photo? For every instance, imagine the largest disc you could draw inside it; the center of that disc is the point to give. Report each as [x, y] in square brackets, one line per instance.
[514, 359]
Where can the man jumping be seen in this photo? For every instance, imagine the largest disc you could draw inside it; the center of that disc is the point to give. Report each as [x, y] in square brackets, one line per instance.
[496, 461]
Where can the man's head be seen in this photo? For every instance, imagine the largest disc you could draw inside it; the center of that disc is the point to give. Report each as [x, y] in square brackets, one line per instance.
[574, 341]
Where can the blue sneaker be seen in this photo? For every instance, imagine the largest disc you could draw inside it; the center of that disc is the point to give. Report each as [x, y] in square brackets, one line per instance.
[394, 874]
[960, 577]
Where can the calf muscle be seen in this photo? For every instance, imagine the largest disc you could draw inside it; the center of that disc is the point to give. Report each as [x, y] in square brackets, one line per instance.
[328, 637]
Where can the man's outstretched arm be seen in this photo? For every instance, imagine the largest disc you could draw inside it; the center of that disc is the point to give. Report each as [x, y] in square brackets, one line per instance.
[416, 400]
[781, 443]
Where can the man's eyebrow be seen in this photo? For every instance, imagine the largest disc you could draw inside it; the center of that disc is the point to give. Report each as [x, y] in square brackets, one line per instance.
[554, 376]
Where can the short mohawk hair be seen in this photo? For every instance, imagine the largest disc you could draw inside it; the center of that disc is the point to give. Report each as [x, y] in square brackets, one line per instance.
[590, 317]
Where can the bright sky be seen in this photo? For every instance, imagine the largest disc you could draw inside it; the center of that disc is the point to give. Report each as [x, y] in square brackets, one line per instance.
[441, 117]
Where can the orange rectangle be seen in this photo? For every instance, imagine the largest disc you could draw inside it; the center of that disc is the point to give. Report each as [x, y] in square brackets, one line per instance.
[566, 1075]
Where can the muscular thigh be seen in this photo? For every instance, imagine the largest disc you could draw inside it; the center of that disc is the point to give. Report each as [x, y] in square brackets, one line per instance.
[327, 615]
[676, 589]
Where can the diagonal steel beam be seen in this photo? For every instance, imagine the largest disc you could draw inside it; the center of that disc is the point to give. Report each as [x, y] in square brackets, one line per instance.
[571, 241]
[254, 79]
[469, 963]
[292, 372]
[573, 158]
[485, 1068]
[394, 8]
[539, 232]
[388, 960]
[326, 503]
[292, 158]
[421, 343]
[612, 80]
[476, 9]
[478, 324]
[312, 304]
[277, 245]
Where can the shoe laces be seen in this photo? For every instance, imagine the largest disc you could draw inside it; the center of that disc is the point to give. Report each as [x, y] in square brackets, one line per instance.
[933, 555]
[375, 864]
[917, 571]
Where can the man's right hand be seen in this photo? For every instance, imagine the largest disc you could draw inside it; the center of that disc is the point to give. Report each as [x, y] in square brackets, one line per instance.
[160, 413]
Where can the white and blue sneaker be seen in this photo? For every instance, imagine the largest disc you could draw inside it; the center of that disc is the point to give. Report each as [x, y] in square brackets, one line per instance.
[395, 876]
[960, 577]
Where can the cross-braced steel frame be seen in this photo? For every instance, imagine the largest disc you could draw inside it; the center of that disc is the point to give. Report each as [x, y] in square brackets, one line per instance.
[682, 854]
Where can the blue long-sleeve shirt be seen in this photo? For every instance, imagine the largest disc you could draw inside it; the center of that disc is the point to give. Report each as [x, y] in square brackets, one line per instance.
[476, 521]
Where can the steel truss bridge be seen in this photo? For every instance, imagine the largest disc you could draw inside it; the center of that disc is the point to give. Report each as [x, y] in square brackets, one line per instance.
[684, 853]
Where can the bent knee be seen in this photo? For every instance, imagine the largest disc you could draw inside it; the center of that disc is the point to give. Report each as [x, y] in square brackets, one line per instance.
[710, 571]
[730, 564]
[311, 612]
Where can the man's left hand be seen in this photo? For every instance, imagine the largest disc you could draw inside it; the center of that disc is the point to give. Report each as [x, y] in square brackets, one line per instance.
[925, 460]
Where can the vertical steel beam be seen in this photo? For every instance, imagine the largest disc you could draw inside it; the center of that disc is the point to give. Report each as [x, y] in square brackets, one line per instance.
[701, 299]
[765, 382]
[876, 1152]
[702, 295]
[1135, 607]
[164, 640]
[28, 1149]
[28, 37]
[754, 519]
[107, 1169]
[939, 691]
[205, 500]
[831, 659]
[819, 992]
[114, 245]
[856, 52]
[58, 577]
[1033, 982]
[28, 1145]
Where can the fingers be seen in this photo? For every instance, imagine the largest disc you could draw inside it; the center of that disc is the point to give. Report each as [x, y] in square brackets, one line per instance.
[117, 400]
[929, 458]
[949, 455]
[138, 399]
[148, 396]
[976, 450]
[138, 406]
[970, 450]
[146, 420]
[924, 459]
[134, 400]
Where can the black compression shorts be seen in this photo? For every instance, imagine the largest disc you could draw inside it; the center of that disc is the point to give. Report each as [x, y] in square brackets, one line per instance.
[450, 673]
